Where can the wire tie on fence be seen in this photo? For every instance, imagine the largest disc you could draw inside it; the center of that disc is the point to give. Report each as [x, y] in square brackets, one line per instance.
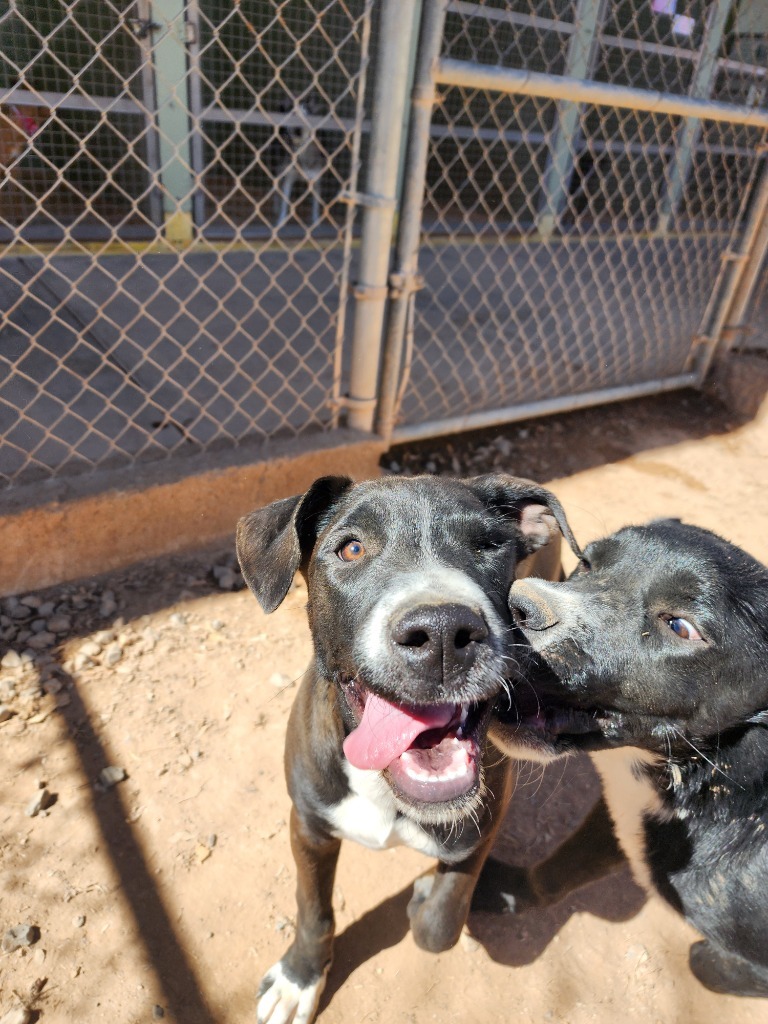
[369, 292]
[423, 96]
[367, 199]
[356, 404]
[729, 256]
[400, 283]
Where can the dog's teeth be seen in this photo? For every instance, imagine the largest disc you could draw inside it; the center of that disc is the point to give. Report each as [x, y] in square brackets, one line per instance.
[463, 720]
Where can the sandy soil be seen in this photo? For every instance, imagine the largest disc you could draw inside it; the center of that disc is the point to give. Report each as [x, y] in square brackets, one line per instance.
[168, 894]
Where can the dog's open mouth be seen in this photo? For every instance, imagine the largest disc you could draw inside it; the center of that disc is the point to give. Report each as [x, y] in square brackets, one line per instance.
[430, 753]
[540, 723]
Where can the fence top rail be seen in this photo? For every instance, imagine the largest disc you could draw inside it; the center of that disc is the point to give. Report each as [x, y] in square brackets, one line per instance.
[562, 87]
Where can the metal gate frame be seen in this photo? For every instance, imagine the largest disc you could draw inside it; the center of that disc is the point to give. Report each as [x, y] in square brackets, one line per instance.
[741, 259]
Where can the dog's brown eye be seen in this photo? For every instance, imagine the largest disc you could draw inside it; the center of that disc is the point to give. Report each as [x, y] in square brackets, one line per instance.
[351, 551]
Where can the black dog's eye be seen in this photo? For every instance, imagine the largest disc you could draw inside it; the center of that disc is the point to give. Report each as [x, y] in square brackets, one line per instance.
[490, 543]
[352, 551]
[682, 627]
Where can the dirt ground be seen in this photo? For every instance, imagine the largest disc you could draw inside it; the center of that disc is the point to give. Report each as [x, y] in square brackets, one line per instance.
[167, 894]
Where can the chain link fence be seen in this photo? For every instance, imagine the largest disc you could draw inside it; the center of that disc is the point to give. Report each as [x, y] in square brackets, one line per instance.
[182, 267]
[572, 249]
[175, 225]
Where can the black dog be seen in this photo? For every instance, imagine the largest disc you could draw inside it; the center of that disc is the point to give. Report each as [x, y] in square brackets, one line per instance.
[407, 582]
[653, 656]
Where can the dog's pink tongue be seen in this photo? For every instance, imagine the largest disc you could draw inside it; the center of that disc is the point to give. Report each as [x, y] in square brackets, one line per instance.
[386, 730]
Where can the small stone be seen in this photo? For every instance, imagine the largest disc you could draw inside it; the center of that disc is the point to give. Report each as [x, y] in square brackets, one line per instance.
[6, 713]
[21, 935]
[225, 577]
[21, 612]
[37, 625]
[111, 775]
[59, 624]
[53, 686]
[31, 600]
[103, 637]
[157, 1012]
[211, 840]
[280, 680]
[90, 649]
[41, 802]
[46, 609]
[178, 619]
[108, 605]
[150, 637]
[78, 921]
[217, 624]
[11, 661]
[18, 1015]
[112, 655]
[40, 641]
[82, 661]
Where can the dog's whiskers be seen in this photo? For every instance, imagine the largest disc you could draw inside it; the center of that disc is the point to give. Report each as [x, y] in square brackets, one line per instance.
[681, 735]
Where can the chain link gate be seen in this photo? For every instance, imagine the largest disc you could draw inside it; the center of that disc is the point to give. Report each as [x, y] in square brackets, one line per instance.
[176, 217]
[582, 215]
[584, 196]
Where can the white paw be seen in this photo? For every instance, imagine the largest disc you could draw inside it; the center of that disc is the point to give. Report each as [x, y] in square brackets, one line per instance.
[282, 1000]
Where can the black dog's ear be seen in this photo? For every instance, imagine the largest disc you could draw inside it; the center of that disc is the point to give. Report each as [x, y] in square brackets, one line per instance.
[535, 509]
[274, 541]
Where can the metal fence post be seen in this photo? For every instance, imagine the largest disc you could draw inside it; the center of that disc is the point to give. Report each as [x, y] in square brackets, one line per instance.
[704, 76]
[395, 29]
[407, 246]
[742, 268]
[170, 57]
[565, 133]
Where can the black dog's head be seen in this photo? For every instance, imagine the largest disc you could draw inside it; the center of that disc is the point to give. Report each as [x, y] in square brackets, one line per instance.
[407, 581]
[659, 640]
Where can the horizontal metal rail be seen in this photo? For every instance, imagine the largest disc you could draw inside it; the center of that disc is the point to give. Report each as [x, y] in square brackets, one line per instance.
[44, 100]
[475, 10]
[514, 81]
[548, 407]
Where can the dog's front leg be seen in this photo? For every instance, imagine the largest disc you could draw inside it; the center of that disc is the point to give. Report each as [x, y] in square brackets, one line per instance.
[292, 988]
[283, 196]
[314, 188]
[440, 903]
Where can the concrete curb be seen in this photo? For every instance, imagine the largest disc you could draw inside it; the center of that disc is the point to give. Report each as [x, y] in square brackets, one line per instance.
[65, 530]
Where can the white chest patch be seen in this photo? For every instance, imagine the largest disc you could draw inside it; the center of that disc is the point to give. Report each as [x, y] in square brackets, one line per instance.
[369, 816]
[630, 796]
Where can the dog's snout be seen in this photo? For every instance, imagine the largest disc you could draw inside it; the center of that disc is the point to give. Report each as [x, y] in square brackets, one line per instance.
[530, 607]
[445, 636]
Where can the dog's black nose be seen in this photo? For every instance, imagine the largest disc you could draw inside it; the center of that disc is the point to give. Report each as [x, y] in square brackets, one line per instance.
[530, 607]
[443, 636]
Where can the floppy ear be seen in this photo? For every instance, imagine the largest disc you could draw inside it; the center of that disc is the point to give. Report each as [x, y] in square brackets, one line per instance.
[535, 509]
[274, 541]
